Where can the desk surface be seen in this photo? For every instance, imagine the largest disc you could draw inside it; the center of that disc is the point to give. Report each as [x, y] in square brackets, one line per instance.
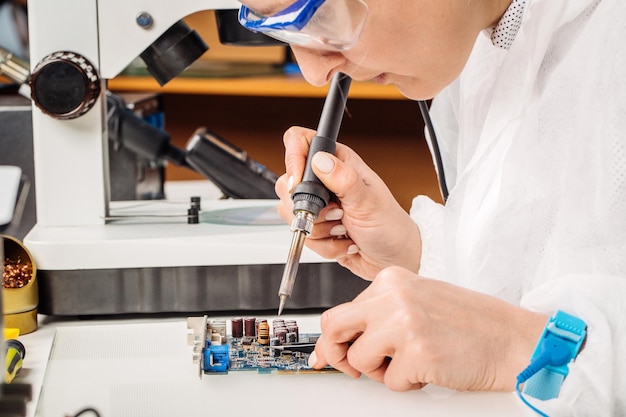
[143, 367]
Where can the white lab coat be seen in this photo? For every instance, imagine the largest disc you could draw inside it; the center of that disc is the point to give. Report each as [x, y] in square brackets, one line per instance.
[534, 148]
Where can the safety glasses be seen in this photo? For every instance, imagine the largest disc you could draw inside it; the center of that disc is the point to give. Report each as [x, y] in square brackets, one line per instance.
[318, 24]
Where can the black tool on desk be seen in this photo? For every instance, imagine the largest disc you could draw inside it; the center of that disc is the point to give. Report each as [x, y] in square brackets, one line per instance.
[297, 347]
[310, 196]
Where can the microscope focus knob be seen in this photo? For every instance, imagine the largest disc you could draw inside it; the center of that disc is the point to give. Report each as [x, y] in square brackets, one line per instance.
[65, 85]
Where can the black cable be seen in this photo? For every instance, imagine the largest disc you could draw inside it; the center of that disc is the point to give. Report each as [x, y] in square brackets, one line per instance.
[87, 410]
[443, 187]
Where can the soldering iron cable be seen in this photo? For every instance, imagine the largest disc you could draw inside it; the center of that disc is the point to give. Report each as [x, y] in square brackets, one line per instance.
[443, 186]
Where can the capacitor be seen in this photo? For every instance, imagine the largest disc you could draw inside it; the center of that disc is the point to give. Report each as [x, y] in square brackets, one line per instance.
[237, 327]
[292, 327]
[274, 341]
[281, 334]
[249, 328]
[277, 326]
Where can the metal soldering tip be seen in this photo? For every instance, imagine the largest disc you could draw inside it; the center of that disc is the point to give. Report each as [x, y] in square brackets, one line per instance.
[281, 306]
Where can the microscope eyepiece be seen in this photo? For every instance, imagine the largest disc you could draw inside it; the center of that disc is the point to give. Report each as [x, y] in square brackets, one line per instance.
[173, 52]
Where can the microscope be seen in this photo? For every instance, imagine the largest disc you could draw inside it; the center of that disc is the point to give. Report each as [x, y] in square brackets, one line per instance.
[101, 257]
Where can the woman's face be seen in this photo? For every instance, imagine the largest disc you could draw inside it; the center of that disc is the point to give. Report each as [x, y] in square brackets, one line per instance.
[418, 45]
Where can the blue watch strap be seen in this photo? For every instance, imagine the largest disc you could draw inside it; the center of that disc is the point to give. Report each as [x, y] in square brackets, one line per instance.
[569, 333]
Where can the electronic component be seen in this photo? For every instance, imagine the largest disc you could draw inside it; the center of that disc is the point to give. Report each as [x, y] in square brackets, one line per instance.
[267, 349]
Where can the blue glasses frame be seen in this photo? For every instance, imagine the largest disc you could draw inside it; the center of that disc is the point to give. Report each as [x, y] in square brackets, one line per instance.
[294, 17]
[333, 25]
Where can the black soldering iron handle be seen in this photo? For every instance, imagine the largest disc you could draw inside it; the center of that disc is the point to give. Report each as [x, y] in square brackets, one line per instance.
[334, 106]
[311, 195]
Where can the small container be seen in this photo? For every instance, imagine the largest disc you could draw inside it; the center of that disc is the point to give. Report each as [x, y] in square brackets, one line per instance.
[19, 305]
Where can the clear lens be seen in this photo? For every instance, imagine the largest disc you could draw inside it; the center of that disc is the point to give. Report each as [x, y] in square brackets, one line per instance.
[337, 23]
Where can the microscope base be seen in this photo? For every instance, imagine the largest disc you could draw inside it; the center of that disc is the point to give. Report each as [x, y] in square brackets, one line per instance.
[232, 260]
[191, 289]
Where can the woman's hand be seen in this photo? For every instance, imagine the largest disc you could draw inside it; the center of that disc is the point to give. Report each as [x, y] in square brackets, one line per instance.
[407, 331]
[364, 229]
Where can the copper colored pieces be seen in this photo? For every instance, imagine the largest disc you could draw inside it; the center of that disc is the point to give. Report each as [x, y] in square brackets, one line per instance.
[293, 333]
[16, 274]
[237, 327]
[249, 327]
[263, 333]
[255, 328]
[281, 334]
[292, 326]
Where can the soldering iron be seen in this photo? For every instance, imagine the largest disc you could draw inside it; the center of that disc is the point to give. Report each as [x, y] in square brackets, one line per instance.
[310, 196]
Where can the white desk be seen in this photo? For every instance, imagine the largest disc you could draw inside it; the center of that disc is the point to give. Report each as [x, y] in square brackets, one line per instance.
[143, 368]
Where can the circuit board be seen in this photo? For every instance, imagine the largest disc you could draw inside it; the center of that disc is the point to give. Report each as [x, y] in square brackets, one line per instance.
[251, 345]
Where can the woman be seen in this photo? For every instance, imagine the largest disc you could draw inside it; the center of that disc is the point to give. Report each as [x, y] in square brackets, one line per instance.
[530, 112]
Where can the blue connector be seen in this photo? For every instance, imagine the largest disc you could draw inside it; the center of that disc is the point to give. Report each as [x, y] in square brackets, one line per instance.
[216, 358]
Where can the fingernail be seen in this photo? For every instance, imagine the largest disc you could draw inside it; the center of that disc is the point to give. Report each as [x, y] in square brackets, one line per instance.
[323, 162]
[338, 230]
[352, 249]
[312, 359]
[290, 182]
[334, 214]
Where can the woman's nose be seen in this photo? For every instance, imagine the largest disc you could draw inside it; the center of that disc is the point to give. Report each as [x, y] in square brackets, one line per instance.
[317, 66]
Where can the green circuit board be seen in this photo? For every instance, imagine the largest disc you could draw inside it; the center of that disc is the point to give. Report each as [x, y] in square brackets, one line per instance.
[261, 348]
[248, 354]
